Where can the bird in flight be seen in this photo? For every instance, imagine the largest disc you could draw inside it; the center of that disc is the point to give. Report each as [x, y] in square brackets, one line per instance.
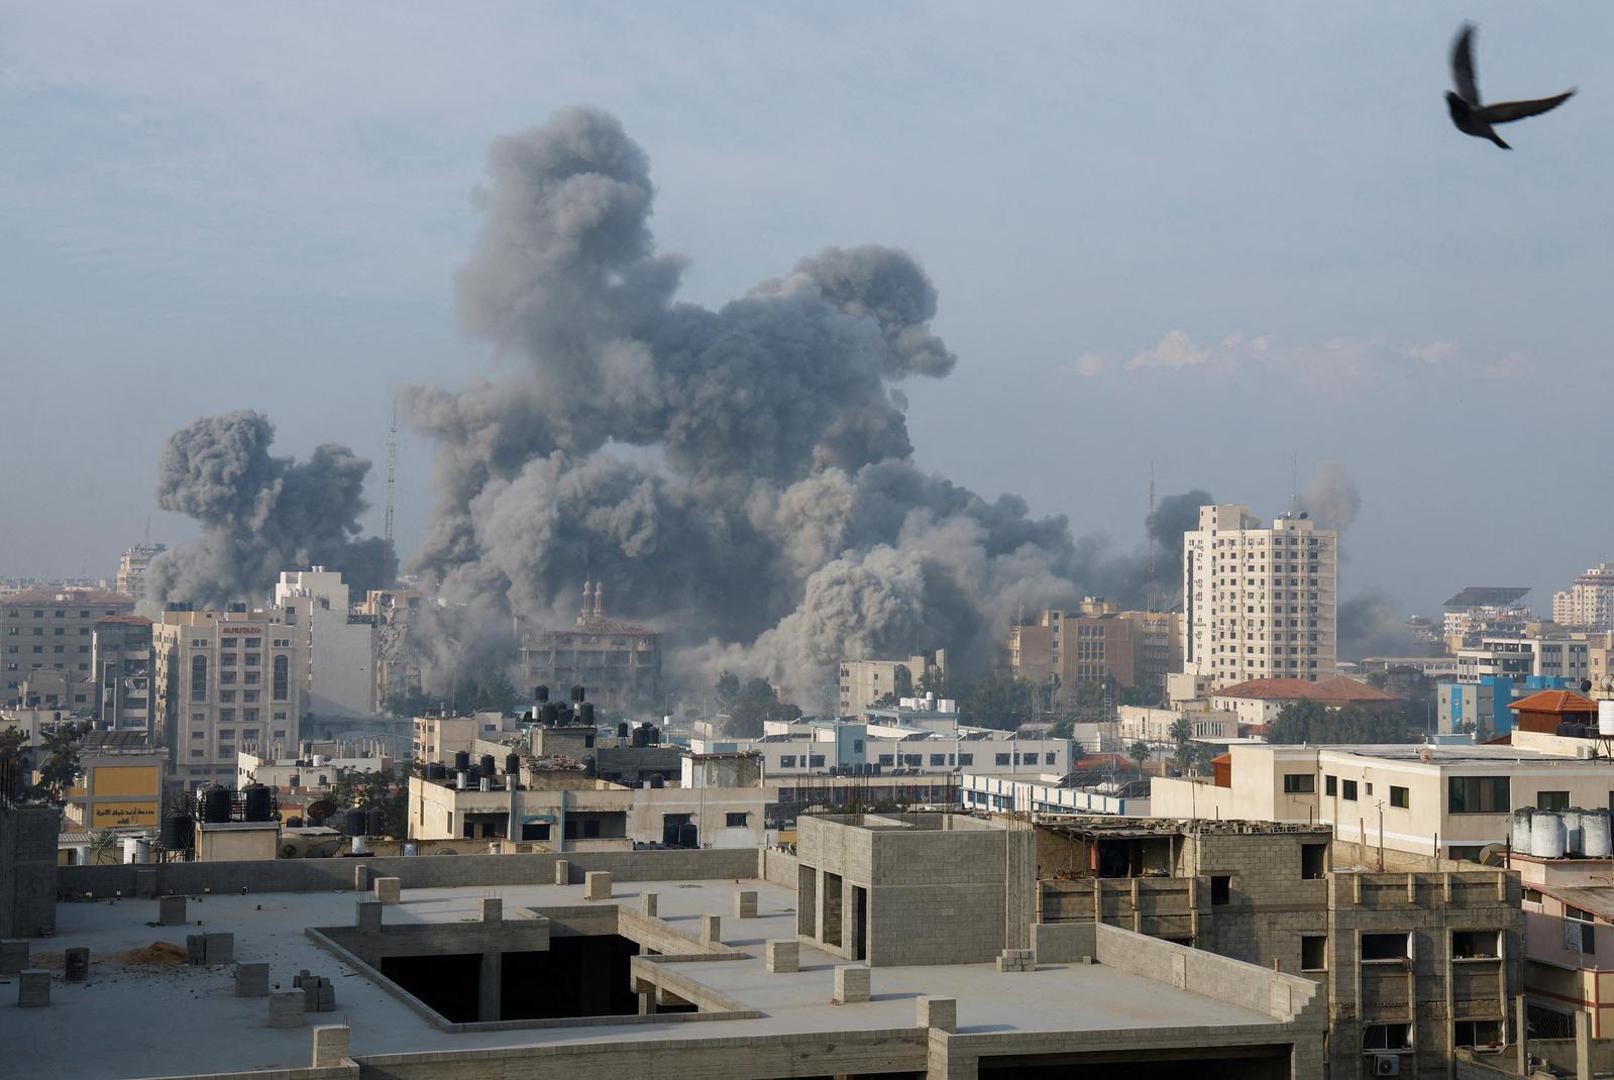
[1468, 114]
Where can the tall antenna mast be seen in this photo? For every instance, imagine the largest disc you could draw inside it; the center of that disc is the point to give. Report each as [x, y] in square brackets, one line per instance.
[1149, 521]
[392, 477]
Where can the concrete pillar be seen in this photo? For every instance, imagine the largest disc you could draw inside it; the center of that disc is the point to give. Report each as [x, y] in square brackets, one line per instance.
[361, 878]
[940, 1013]
[648, 903]
[252, 980]
[490, 986]
[388, 890]
[745, 904]
[711, 930]
[171, 911]
[647, 1003]
[145, 884]
[1583, 1046]
[219, 948]
[331, 1045]
[1521, 1036]
[33, 988]
[781, 957]
[563, 872]
[368, 916]
[597, 885]
[13, 955]
[851, 984]
[492, 909]
[286, 1009]
[76, 964]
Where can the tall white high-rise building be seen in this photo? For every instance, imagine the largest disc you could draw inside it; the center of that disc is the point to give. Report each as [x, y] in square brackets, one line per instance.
[339, 647]
[132, 567]
[1589, 602]
[1261, 601]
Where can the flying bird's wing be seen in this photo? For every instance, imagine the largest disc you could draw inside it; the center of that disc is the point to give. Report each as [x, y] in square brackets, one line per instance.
[1504, 111]
[1462, 65]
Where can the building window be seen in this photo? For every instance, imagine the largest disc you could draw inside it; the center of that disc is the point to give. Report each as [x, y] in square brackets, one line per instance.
[1313, 861]
[1387, 1037]
[1477, 795]
[736, 820]
[1299, 784]
[1552, 800]
[1221, 888]
[1474, 945]
[787, 761]
[888, 759]
[966, 759]
[1314, 952]
[938, 759]
[1331, 786]
[815, 761]
[1003, 759]
[1384, 948]
[1398, 797]
[1477, 1033]
[282, 683]
[1347, 790]
[198, 678]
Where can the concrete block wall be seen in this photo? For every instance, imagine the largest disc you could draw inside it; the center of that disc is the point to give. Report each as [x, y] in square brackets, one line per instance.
[28, 878]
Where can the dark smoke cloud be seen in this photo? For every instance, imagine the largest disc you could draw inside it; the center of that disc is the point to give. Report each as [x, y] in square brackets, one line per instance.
[741, 476]
[1331, 496]
[1370, 626]
[260, 514]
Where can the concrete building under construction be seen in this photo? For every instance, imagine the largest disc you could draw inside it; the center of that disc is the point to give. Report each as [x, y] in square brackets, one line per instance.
[618, 661]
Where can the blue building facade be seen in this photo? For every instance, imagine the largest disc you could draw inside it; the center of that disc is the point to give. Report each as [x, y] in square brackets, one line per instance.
[1482, 706]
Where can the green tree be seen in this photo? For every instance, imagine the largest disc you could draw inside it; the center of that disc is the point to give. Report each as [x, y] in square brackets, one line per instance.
[1143, 696]
[1308, 721]
[1140, 753]
[1182, 737]
[1001, 701]
[749, 705]
[59, 770]
[384, 788]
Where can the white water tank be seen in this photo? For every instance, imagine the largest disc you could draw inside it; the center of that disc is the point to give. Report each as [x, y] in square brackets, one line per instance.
[1605, 718]
[361, 845]
[487, 784]
[1546, 835]
[1596, 841]
[1571, 831]
[136, 849]
[1521, 830]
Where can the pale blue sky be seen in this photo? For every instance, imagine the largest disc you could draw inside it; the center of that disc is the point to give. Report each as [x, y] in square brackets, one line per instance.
[1211, 235]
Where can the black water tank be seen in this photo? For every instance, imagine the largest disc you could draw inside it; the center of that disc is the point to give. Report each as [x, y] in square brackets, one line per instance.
[436, 770]
[549, 715]
[540, 694]
[486, 762]
[353, 822]
[462, 760]
[655, 735]
[375, 821]
[622, 730]
[585, 713]
[179, 832]
[215, 803]
[687, 835]
[641, 736]
[578, 693]
[512, 764]
[257, 803]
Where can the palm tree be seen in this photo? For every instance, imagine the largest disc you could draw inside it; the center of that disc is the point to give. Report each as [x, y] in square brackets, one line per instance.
[1182, 734]
[1140, 752]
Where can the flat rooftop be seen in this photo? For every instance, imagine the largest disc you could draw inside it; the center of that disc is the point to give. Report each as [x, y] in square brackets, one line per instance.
[160, 1019]
[1466, 754]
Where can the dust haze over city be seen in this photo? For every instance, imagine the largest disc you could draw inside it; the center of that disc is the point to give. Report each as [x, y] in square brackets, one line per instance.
[734, 376]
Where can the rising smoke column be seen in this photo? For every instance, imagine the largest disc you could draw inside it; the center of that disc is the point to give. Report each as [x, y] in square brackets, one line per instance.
[742, 476]
[260, 514]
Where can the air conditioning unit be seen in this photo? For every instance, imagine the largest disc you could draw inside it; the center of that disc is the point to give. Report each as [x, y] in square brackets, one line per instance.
[1386, 1064]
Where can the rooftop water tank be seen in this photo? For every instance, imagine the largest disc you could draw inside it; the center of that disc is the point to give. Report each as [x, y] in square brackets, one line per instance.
[1605, 718]
[1596, 841]
[1547, 835]
[1521, 830]
[215, 805]
[436, 770]
[257, 803]
[486, 762]
[1571, 819]
[179, 832]
[585, 713]
[462, 760]
[459, 780]
[512, 765]
[540, 694]
[353, 822]
[578, 693]
[485, 784]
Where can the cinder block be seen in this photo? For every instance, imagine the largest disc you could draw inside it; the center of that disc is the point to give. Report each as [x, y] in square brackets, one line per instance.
[219, 948]
[361, 878]
[851, 984]
[597, 885]
[286, 1009]
[33, 988]
[781, 957]
[76, 964]
[388, 890]
[368, 916]
[145, 884]
[492, 909]
[563, 872]
[938, 1012]
[648, 903]
[745, 904]
[331, 1045]
[711, 930]
[252, 980]
[13, 955]
[171, 911]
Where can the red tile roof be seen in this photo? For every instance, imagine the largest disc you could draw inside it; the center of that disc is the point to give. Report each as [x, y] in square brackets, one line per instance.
[1336, 691]
[1555, 701]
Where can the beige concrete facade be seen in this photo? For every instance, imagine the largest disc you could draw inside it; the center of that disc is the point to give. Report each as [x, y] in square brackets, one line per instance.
[1261, 601]
[864, 682]
[619, 662]
[121, 663]
[1096, 643]
[132, 567]
[45, 635]
[1588, 604]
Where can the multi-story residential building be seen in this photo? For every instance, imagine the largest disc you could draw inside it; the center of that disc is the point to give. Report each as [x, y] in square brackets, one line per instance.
[338, 647]
[865, 682]
[1418, 961]
[45, 639]
[227, 681]
[1541, 655]
[121, 661]
[1482, 707]
[1588, 604]
[619, 662]
[395, 614]
[132, 567]
[1261, 602]
[439, 738]
[1484, 609]
[1095, 644]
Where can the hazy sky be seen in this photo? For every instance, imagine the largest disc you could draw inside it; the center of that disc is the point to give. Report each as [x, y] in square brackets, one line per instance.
[1214, 236]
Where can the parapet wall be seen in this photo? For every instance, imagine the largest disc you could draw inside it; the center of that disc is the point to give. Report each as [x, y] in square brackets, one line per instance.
[28, 870]
[413, 872]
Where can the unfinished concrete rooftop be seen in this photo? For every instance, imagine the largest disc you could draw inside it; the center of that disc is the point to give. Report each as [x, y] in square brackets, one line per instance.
[714, 1000]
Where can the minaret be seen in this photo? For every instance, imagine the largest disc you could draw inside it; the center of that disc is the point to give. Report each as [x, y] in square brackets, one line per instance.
[599, 600]
[588, 589]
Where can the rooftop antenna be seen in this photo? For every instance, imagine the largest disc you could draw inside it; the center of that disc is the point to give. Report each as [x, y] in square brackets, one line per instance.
[1149, 573]
[392, 478]
[1294, 482]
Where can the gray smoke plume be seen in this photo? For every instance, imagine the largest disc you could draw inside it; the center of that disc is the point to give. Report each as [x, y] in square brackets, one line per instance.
[741, 477]
[1331, 497]
[260, 514]
[1370, 626]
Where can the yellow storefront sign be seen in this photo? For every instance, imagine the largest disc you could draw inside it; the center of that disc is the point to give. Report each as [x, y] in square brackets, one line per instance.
[124, 813]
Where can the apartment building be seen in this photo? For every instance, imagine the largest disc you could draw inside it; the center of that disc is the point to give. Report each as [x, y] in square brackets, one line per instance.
[1484, 609]
[619, 661]
[227, 681]
[1417, 962]
[1588, 604]
[132, 567]
[864, 682]
[1261, 601]
[1095, 644]
[121, 662]
[396, 614]
[45, 639]
[1522, 656]
[338, 646]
